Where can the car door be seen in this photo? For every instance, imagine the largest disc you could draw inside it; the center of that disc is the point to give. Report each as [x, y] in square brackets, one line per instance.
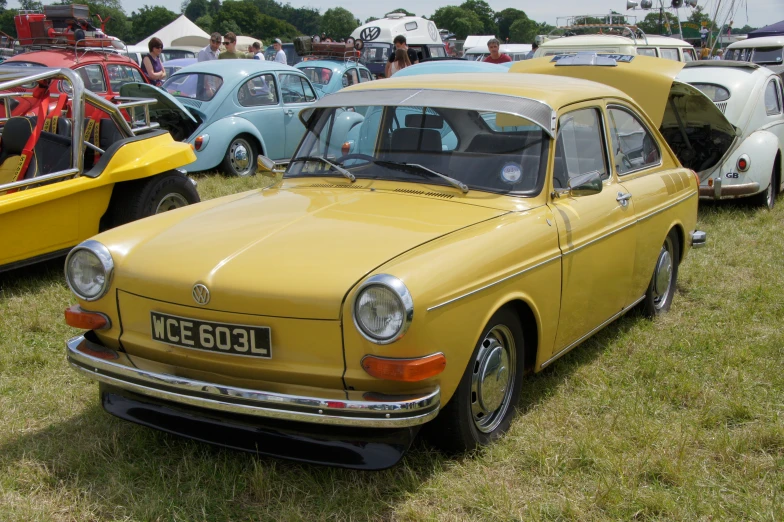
[259, 100]
[297, 94]
[596, 232]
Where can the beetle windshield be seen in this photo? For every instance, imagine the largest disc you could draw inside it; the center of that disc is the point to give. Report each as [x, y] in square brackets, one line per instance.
[375, 52]
[198, 86]
[487, 151]
[317, 75]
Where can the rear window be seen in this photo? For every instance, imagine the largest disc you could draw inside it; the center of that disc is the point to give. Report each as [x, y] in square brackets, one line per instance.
[317, 75]
[198, 86]
[769, 55]
[716, 93]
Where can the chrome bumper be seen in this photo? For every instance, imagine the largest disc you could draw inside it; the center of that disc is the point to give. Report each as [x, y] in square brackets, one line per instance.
[376, 411]
[718, 191]
[698, 238]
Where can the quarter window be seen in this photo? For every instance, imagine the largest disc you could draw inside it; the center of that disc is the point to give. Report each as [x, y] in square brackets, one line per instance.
[633, 146]
[669, 54]
[579, 148]
[258, 91]
[772, 100]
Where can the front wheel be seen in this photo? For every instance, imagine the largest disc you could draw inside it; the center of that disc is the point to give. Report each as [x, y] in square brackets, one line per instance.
[483, 405]
[661, 289]
[240, 159]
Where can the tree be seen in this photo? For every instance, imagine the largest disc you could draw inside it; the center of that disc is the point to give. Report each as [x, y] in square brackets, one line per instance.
[205, 22]
[650, 24]
[523, 30]
[148, 19]
[306, 19]
[244, 18]
[485, 13]
[338, 22]
[459, 21]
[3, 5]
[504, 20]
[30, 5]
[371, 19]
[195, 9]
[7, 21]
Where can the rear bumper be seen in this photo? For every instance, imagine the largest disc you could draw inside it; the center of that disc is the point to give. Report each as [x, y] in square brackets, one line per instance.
[332, 407]
[718, 190]
[698, 239]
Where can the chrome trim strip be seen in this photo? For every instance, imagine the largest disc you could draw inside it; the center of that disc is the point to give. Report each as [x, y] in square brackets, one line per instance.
[40, 179]
[472, 292]
[592, 241]
[390, 411]
[589, 334]
[667, 207]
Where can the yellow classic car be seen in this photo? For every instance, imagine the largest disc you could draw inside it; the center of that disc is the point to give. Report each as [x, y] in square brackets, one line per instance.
[473, 230]
[64, 179]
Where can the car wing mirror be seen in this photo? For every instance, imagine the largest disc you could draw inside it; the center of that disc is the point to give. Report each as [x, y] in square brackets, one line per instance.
[266, 165]
[586, 184]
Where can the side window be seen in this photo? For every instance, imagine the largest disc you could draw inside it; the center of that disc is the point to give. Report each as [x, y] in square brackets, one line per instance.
[579, 148]
[688, 55]
[365, 75]
[258, 91]
[119, 75]
[772, 100]
[350, 78]
[646, 51]
[437, 50]
[294, 89]
[669, 54]
[633, 146]
[92, 76]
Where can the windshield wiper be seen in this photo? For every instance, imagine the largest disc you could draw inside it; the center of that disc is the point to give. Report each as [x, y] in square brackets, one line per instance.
[421, 169]
[336, 167]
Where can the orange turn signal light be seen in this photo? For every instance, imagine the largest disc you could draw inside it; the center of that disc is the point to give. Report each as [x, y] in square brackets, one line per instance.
[78, 318]
[345, 148]
[407, 370]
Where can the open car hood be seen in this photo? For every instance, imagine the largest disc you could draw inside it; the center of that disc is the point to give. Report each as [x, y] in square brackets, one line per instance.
[695, 128]
[168, 112]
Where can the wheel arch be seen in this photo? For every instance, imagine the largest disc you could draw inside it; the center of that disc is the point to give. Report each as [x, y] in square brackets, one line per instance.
[530, 326]
[681, 235]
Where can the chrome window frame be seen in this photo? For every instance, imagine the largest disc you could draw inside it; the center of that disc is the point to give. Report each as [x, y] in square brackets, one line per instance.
[647, 129]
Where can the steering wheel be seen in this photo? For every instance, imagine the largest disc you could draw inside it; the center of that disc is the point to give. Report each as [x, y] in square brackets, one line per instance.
[347, 157]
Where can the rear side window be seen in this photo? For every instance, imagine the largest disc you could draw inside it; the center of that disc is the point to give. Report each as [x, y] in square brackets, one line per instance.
[669, 54]
[646, 51]
[633, 146]
[258, 91]
[716, 93]
[579, 148]
[772, 99]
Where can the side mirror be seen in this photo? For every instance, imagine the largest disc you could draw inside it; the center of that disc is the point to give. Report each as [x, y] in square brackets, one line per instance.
[266, 165]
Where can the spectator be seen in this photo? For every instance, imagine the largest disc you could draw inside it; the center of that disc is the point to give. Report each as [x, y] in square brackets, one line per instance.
[704, 36]
[400, 43]
[494, 46]
[531, 53]
[401, 61]
[258, 54]
[719, 54]
[231, 52]
[704, 53]
[280, 56]
[212, 51]
[151, 63]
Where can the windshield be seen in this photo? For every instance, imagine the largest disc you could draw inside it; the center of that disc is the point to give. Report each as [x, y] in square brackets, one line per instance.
[198, 86]
[317, 75]
[375, 52]
[716, 93]
[769, 55]
[492, 152]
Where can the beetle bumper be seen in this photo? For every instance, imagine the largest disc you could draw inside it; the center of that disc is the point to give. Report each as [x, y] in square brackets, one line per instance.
[332, 407]
[717, 190]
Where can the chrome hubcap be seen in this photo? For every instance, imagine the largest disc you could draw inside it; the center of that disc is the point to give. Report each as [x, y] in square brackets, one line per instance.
[239, 156]
[662, 276]
[493, 379]
[170, 202]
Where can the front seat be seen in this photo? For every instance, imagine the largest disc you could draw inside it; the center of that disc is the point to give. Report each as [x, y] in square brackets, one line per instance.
[16, 133]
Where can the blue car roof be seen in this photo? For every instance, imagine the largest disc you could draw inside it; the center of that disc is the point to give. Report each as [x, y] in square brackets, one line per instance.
[179, 62]
[335, 65]
[451, 66]
[234, 71]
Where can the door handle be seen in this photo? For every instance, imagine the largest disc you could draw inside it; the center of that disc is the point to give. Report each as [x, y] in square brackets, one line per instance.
[289, 112]
[623, 199]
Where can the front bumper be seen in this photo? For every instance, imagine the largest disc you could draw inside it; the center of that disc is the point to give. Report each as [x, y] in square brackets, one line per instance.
[332, 407]
[717, 190]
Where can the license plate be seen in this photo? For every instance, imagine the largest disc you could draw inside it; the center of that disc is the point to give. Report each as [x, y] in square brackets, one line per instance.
[235, 339]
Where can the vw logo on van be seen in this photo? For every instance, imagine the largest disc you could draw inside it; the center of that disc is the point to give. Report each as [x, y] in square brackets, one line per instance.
[432, 31]
[201, 294]
[371, 33]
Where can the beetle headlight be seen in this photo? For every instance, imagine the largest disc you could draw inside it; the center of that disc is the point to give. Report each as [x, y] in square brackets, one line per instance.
[88, 270]
[383, 309]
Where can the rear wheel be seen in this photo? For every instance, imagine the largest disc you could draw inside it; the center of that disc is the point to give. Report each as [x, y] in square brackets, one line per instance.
[147, 197]
[240, 159]
[483, 405]
[661, 289]
[768, 197]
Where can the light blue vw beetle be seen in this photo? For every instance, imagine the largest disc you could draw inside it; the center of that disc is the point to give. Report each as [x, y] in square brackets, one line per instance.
[232, 111]
[329, 76]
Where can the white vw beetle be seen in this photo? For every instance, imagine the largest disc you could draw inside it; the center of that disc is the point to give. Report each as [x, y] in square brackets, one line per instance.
[751, 98]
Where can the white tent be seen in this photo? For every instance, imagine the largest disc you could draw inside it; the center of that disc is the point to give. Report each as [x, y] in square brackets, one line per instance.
[180, 33]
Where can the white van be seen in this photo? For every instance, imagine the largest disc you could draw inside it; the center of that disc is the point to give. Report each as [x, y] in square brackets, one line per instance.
[377, 36]
[661, 46]
[766, 50]
[516, 51]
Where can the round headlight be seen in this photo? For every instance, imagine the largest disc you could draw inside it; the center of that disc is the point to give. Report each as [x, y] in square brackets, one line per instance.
[383, 309]
[88, 270]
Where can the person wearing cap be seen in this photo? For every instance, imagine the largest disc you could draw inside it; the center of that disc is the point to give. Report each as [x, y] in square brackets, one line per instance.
[280, 56]
[212, 51]
[231, 52]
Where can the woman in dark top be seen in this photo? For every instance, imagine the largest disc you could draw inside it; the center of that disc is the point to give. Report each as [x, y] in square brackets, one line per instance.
[151, 63]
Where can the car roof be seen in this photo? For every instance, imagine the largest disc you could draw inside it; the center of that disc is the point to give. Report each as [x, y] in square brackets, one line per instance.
[762, 41]
[335, 65]
[555, 91]
[184, 62]
[67, 58]
[229, 68]
[614, 39]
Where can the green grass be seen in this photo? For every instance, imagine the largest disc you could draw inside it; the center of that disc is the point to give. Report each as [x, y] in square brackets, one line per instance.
[680, 419]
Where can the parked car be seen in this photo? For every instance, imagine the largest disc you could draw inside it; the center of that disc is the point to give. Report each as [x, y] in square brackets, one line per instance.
[232, 114]
[329, 76]
[766, 50]
[666, 47]
[752, 99]
[172, 66]
[327, 317]
[64, 192]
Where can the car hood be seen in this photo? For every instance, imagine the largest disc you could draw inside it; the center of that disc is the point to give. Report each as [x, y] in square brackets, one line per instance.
[172, 115]
[291, 252]
[678, 109]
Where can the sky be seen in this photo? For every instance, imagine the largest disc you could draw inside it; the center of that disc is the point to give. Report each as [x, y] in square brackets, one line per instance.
[760, 12]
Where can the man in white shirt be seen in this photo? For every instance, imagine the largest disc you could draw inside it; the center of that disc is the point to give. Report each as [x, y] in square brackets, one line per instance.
[211, 51]
[258, 54]
[280, 56]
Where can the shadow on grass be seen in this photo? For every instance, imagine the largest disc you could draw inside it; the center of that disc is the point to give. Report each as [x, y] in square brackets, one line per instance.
[124, 470]
[29, 279]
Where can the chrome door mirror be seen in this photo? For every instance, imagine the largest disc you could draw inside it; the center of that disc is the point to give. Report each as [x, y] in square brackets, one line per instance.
[585, 184]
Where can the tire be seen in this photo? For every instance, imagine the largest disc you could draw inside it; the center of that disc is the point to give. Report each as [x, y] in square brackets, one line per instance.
[767, 198]
[661, 289]
[146, 197]
[478, 412]
[240, 159]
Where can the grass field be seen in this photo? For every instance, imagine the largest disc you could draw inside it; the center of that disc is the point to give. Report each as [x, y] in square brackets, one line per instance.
[679, 419]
